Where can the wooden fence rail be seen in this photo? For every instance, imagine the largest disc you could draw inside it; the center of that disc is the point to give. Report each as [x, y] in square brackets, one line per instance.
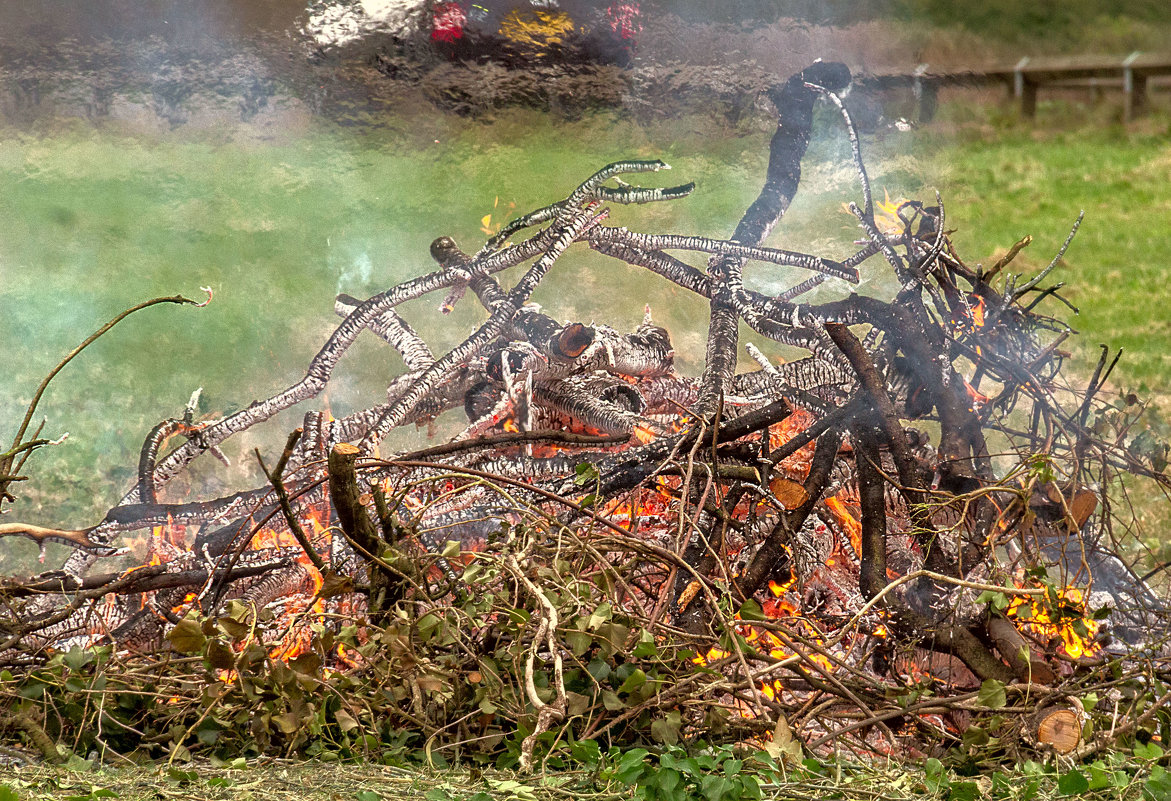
[1023, 79]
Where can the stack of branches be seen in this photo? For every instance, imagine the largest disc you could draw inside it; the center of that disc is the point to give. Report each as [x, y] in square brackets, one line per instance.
[788, 525]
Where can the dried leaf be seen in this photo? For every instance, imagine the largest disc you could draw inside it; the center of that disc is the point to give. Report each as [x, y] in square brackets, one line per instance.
[345, 720]
[333, 584]
[429, 682]
[791, 494]
[287, 722]
[187, 636]
[783, 746]
[1081, 507]
[666, 729]
[220, 656]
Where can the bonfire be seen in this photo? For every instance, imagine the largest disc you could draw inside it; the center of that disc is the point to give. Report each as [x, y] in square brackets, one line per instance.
[865, 546]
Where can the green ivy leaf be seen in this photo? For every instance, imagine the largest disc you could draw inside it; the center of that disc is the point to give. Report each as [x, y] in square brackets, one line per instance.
[633, 681]
[1158, 785]
[1073, 783]
[77, 658]
[751, 610]
[964, 791]
[631, 767]
[611, 701]
[646, 648]
[578, 641]
[602, 614]
[997, 600]
[666, 729]
[585, 473]
[367, 795]
[991, 694]
[599, 669]
[933, 775]
[714, 787]
[427, 625]
[975, 737]
[1102, 612]
[669, 784]
[1151, 751]
[179, 776]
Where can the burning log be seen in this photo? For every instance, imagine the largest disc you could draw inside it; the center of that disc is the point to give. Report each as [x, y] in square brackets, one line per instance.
[862, 557]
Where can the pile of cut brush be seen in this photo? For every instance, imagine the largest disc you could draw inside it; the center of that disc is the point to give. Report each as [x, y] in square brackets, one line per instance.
[898, 544]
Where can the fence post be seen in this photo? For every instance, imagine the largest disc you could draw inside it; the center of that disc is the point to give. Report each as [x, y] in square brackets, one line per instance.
[1134, 87]
[926, 93]
[1024, 90]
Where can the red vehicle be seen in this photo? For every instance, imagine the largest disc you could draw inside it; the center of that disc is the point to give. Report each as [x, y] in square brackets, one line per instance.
[602, 31]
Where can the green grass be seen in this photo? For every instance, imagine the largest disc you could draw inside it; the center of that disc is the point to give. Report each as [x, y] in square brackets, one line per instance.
[1114, 777]
[98, 219]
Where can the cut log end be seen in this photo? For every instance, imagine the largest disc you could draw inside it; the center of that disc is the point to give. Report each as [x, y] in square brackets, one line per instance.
[346, 449]
[573, 340]
[1058, 728]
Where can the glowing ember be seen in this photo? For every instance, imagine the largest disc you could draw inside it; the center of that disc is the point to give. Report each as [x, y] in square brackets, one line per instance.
[796, 467]
[773, 643]
[349, 656]
[491, 228]
[180, 609]
[643, 433]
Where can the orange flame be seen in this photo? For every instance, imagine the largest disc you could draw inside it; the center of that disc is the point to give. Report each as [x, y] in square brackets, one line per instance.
[977, 311]
[978, 398]
[1037, 618]
[847, 521]
[770, 642]
[295, 624]
[349, 656]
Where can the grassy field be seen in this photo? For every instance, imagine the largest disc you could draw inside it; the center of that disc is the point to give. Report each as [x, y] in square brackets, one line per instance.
[289, 780]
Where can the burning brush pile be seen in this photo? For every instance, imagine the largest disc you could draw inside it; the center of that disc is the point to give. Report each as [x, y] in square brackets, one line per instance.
[898, 539]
